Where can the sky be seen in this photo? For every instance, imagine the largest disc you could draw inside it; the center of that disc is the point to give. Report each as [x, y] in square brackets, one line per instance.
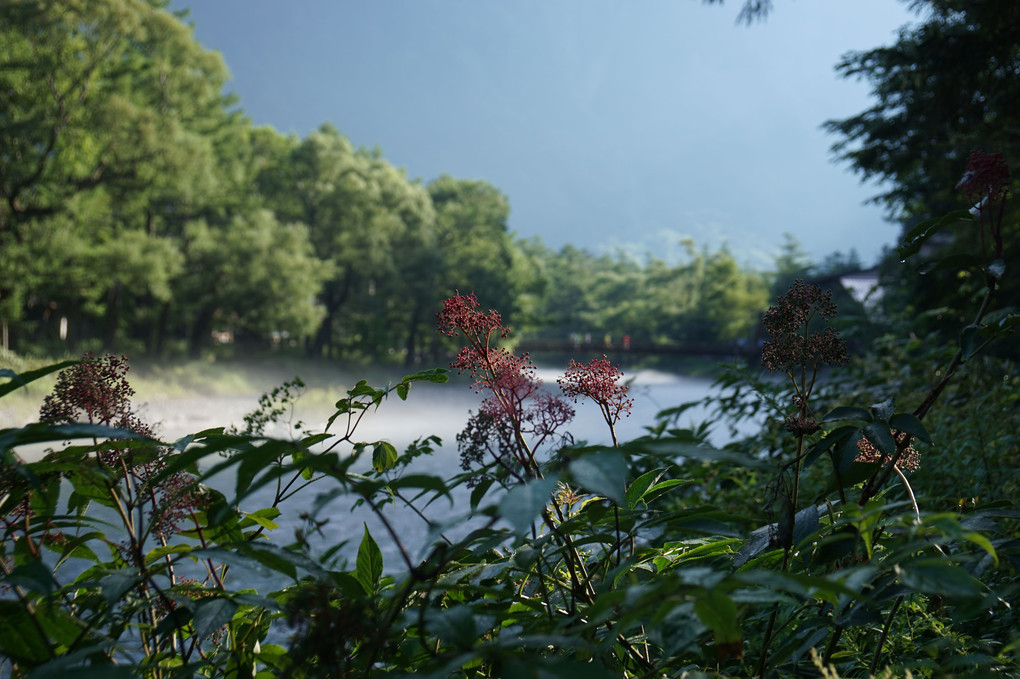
[609, 124]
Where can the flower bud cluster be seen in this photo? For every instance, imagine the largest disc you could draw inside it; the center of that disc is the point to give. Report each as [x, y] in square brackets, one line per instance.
[598, 380]
[517, 415]
[792, 344]
[96, 391]
[910, 458]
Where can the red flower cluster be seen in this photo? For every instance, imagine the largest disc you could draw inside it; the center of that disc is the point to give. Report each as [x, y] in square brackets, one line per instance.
[986, 178]
[96, 391]
[517, 415]
[985, 184]
[598, 380]
[460, 314]
[788, 323]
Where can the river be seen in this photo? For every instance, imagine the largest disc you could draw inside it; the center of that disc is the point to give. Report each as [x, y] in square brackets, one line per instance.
[430, 409]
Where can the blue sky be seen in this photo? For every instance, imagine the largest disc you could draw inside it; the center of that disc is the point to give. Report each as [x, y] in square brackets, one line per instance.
[607, 123]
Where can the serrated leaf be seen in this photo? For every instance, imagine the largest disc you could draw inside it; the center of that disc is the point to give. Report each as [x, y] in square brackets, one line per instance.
[637, 489]
[369, 563]
[603, 473]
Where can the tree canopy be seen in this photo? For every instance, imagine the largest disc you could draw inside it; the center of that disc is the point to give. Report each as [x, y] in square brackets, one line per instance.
[140, 210]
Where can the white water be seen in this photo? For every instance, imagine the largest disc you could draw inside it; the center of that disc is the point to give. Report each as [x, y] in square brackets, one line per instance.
[439, 409]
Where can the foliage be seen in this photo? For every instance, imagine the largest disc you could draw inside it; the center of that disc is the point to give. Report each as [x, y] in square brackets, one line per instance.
[946, 87]
[141, 212]
[123, 555]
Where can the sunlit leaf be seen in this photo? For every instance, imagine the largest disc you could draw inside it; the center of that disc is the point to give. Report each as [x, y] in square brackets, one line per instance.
[369, 563]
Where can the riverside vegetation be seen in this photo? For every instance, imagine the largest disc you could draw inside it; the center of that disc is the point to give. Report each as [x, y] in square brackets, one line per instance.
[869, 529]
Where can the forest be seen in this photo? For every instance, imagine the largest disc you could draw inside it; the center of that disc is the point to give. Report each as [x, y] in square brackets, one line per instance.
[142, 212]
[867, 527]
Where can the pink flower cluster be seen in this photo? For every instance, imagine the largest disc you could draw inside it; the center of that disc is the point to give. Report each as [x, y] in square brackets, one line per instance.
[598, 380]
[987, 177]
[96, 391]
[517, 415]
[985, 184]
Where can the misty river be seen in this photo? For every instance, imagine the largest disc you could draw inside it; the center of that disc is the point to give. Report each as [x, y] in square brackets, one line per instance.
[430, 409]
[439, 409]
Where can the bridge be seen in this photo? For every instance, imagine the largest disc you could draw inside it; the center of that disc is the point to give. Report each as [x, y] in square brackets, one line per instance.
[617, 349]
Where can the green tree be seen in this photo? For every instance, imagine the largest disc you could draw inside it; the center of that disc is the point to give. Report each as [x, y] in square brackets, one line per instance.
[949, 85]
[474, 241]
[104, 110]
[251, 276]
[369, 225]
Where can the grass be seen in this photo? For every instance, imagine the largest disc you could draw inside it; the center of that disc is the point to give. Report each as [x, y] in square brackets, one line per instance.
[326, 380]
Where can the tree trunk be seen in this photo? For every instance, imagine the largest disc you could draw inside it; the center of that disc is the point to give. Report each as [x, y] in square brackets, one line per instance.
[112, 319]
[201, 331]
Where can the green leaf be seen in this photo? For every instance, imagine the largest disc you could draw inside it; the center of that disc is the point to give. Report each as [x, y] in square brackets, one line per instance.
[20, 639]
[370, 563]
[32, 576]
[847, 413]
[878, 435]
[641, 485]
[603, 473]
[384, 456]
[718, 612]
[967, 337]
[883, 410]
[437, 375]
[211, 614]
[70, 664]
[936, 576]
[832, 438]
[18, 380]
[262, 518]
[310, 441]
[454, 625]
[479, 491]
[910, 424]
[918, 235]
[950, 263]
[847, 452]
[47, 433]
[524, 502]
[675, 449]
